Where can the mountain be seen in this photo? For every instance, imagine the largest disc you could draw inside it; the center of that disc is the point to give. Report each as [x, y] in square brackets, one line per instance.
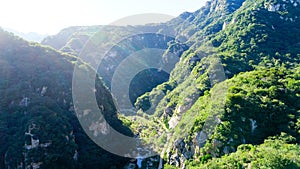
[71, 39]
[250, 37]
[230, 99]
[31, 36]
[38, 122]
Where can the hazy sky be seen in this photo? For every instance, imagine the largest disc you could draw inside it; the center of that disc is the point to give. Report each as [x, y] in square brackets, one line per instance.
[50, 16]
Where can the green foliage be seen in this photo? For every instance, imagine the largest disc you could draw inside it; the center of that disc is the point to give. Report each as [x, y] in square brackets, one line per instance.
[169, 167]
[259, 52]
[36, 103]
[260, 56]
[258, 104]
[271, 154]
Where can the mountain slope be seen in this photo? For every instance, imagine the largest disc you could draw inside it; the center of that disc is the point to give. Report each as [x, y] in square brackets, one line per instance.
[253, 36]
[197, 114]
[38, 124]
[271, 154]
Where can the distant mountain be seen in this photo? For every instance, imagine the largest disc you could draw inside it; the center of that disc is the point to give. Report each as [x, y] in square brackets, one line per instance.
[31, 36]
[71, 39]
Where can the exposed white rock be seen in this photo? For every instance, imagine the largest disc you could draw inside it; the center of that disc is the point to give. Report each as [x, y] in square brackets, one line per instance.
[44, 90]
[45, 145]
[36, 165]
[173, 121]
[35, 142]
[253, 125]
[72, 136]
[24, 102]
[86, 112]
[224, 25]
[28, 134]
[175, 160]
[179, 109]
[274, 8]
[227, 72]
[99, 127]
[28, 147]
[284, 6]
[76, 155]
[65, 102]
[67, 137]
[271, 8]
[277, 7]
[217, 120]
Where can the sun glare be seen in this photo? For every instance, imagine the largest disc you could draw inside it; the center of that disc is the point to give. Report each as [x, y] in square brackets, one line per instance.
[52, 16]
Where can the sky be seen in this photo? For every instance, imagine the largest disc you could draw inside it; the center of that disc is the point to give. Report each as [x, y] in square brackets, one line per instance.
[50, 16]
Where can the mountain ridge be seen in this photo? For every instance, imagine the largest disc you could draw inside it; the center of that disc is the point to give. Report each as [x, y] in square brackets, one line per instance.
[232, 98]
[30, 36]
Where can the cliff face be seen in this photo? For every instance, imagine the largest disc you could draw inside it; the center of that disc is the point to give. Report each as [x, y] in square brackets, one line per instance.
[249, 37]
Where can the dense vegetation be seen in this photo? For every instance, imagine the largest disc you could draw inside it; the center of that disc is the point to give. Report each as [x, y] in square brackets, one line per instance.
[38, 125]
[271, 154]
[256, 105]
[231, 101]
